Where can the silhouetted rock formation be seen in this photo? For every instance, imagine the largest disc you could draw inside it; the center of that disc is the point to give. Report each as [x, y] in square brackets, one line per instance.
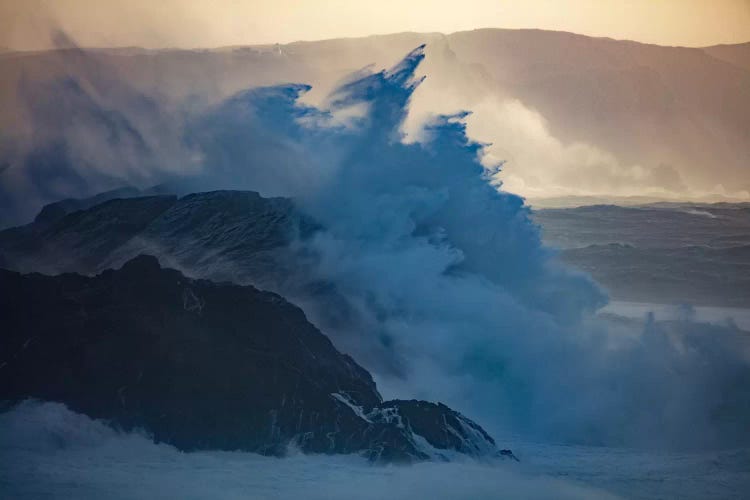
[205, 365]
[221, 235]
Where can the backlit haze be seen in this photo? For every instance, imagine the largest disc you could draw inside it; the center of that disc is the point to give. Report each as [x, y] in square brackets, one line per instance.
[202, 23]
[557, 89]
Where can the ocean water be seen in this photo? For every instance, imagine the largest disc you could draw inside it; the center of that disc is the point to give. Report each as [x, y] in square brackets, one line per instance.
[450, 274]
[49, 452]
[705, 314]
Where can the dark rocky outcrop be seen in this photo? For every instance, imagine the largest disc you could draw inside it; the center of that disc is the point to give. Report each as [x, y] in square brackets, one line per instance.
[66, 239]
[236, 236]
[220, 235]
[204, 365]
[53, 212]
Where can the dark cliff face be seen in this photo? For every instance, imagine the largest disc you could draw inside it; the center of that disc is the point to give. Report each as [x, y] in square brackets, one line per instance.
[80, 240]
[205, 365]
[221, 235]
[236, 236]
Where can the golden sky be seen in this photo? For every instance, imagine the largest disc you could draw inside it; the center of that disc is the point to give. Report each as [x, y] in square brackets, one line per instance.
[24, 24]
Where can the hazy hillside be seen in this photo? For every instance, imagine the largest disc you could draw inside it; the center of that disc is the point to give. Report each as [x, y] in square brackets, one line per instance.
[648, 105]
[572, 115]
[738, 55]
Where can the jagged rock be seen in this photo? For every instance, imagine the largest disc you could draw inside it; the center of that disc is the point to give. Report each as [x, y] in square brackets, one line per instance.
[204, 365]
[236, 236]
[437, 431]
[220, 235]
[81, 240]
[53, 212]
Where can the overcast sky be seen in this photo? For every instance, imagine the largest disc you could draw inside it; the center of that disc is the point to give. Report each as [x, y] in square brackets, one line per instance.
[24, 24]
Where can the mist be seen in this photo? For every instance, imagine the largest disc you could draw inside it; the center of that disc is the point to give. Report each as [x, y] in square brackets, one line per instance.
[46, 449]
[442, 286]
[568, 115]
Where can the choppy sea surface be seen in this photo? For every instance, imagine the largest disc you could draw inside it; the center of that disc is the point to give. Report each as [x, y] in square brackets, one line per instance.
[49, 452]
[737, 316]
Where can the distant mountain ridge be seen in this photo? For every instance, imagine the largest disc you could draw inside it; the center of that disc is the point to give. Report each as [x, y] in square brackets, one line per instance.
[676, 118]
[736, 54]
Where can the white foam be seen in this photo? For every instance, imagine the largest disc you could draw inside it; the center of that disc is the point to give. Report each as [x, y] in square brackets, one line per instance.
[46, 451]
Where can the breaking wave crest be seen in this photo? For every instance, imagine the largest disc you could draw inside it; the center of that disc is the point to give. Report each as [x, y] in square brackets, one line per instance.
[452, 295]
[444, 289]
